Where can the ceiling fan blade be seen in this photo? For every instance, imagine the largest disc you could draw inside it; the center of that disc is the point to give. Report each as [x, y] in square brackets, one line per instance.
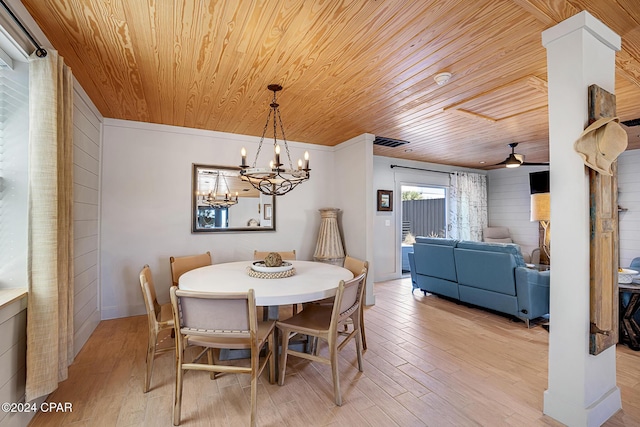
[534, 164]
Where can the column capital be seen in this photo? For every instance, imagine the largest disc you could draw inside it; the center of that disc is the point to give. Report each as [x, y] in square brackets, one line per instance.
[583, 21]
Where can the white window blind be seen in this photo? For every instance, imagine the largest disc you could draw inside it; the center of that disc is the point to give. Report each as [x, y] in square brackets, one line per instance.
[14, 148]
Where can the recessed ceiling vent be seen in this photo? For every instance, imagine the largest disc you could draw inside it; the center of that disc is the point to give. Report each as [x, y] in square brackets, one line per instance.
[389, 142]
[634, 122]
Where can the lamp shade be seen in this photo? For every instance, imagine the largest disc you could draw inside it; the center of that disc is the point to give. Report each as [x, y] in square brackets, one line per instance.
[541, 207]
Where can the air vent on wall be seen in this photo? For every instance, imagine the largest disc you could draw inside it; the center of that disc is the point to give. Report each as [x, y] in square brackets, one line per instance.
[634, 122]
[389, 142]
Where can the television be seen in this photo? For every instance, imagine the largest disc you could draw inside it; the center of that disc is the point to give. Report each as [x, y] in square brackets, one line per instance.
[539, 182]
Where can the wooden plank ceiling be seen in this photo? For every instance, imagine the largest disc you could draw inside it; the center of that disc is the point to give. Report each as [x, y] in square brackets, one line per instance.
[347, 67]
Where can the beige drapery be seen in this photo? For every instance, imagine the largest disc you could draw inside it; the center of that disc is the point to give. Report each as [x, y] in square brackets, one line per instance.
[50, 216]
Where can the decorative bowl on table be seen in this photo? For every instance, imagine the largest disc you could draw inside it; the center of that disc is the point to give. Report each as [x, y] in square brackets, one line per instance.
[261, 267]
[625, 275]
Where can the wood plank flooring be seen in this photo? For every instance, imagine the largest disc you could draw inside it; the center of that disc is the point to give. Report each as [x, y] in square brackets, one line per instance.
[430, 362]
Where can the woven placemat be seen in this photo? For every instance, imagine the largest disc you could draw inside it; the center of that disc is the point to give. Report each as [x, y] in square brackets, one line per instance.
[279, 275]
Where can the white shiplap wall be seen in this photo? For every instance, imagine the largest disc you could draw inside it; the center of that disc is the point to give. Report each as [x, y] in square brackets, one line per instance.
[509, 204]
[629, 198]
[87, 137]
[13, 345]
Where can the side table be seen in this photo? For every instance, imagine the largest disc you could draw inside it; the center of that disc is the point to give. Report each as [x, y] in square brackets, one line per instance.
[629, 332]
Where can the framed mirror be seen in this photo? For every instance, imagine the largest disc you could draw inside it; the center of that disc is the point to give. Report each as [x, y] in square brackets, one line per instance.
[223, 202]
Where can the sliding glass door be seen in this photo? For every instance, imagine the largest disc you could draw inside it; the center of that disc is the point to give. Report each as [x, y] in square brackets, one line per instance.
[424, 213]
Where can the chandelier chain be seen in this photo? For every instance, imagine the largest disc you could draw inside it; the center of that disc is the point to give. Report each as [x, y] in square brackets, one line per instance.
[286, 147]
[264, 132]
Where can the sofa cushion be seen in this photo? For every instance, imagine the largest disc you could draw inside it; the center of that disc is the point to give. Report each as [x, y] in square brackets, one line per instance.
[434, 257]
[489, 266]
[508, 248]
[436, 241]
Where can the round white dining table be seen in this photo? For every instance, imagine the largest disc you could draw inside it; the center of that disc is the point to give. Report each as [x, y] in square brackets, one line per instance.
[312, 281]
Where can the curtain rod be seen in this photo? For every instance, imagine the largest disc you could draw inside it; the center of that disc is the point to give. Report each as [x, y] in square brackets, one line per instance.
[418, 169]
[40, 51]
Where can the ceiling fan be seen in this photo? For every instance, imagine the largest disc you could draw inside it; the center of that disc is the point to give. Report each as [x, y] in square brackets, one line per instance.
[514, 160]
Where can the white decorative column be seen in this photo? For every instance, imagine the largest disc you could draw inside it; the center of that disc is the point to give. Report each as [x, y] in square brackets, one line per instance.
[582, 388]
[329, 247]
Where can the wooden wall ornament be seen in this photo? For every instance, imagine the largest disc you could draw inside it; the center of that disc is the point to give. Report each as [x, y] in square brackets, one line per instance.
[603, 212]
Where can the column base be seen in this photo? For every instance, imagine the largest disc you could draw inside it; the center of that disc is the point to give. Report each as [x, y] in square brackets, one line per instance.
[592, 416]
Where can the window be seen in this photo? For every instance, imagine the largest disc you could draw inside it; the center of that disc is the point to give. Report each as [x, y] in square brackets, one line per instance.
[14, 149]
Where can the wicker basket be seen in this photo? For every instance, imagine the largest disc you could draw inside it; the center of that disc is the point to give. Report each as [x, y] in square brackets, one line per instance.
[626, 276]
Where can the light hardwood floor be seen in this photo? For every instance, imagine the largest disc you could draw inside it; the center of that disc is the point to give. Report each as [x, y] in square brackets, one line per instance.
[430, 362]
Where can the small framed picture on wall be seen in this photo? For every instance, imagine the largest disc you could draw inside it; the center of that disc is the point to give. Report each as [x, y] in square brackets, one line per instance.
[385, 200]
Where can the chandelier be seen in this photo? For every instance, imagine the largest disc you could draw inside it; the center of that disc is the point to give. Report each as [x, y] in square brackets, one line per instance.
[217, 198]
[274, 180]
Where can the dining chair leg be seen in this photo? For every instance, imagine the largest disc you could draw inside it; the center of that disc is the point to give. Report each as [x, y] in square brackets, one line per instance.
[255, 362]
[211, 360]
[151, 350]
[359, 344]
[177, 394]
[284, 333]
[273, 351]
[333, 355]
[362, 333]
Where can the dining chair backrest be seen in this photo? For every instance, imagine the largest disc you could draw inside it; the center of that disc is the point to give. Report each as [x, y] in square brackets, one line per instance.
[260, 255]
[149, 295]
[348, 297]
[215, 314]
[182, 264]
[356, 266]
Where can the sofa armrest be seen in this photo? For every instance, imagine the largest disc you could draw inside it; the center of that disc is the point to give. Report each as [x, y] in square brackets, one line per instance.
[532, 287]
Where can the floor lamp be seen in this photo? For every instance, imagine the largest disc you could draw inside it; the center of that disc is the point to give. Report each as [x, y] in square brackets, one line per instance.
[541, 212]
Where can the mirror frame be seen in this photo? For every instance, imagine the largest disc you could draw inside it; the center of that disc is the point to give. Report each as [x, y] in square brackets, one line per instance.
[194, 204]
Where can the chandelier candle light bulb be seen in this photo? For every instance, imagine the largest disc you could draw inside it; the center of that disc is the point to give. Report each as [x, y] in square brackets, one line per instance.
[277, 156]
[243, 153]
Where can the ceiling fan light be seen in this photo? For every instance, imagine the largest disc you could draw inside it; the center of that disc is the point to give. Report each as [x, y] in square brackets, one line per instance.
[512, 161]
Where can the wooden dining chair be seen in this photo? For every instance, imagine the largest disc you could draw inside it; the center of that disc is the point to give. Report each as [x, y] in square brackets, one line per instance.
[182, 264]
[322, 321]
[286, 255]
[160, 320]
[215, 321]
[356, 266]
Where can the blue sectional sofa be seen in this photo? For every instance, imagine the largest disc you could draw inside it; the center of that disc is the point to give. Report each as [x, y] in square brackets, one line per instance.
[489, 275]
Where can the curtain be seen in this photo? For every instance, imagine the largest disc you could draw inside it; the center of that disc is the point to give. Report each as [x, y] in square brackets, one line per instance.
[467, 206]
[50, 227]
